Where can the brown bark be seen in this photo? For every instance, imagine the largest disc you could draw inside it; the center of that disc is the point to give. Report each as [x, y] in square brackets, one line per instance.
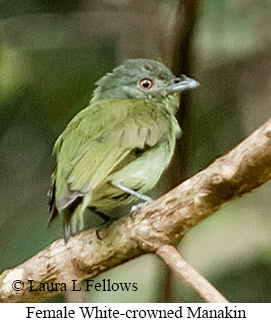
[177, 263]
[162, 222]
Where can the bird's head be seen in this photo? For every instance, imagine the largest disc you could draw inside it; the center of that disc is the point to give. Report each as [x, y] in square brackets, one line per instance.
[141, 79]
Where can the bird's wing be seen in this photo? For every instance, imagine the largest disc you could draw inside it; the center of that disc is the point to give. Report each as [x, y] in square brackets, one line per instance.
[88, 152]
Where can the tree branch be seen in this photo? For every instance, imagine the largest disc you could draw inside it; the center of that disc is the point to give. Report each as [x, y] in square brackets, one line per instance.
[162, 222]
[171, 256]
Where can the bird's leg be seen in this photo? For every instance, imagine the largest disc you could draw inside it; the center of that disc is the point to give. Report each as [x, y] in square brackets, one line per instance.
[128, 190]
[146, 199]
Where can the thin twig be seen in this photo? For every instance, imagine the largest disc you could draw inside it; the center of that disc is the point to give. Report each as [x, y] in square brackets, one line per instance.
[164, 221]
[171, 256]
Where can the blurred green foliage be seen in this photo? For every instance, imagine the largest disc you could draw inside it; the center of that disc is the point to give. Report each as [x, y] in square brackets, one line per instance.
[51, 53]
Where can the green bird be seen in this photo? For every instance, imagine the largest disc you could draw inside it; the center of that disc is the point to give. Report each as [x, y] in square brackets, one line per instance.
[116, 149]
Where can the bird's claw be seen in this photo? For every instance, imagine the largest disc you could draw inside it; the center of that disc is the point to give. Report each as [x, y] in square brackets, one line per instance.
[138, 206]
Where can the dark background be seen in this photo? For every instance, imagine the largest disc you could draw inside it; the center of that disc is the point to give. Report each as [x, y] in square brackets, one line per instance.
[52, 52]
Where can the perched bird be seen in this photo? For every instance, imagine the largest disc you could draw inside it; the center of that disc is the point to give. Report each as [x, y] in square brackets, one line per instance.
[116, 149]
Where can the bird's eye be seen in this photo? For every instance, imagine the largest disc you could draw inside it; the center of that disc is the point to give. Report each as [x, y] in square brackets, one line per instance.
[146, 84]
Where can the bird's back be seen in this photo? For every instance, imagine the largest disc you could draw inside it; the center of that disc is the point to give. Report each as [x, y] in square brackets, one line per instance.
[131, 146]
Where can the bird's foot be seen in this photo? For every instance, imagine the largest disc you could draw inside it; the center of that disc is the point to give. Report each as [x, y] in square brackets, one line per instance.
[103, 226]
[138, 206]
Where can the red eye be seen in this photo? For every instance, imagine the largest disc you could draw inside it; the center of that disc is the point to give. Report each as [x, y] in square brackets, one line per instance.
[146, 84]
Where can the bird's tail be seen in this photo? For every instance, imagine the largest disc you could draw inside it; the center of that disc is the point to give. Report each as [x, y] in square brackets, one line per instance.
[72, 220]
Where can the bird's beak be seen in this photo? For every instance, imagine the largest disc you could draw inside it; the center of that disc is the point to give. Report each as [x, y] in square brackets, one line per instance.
[182, 83]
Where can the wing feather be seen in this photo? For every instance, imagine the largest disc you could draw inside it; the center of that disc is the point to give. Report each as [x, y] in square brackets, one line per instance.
[96, 142]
